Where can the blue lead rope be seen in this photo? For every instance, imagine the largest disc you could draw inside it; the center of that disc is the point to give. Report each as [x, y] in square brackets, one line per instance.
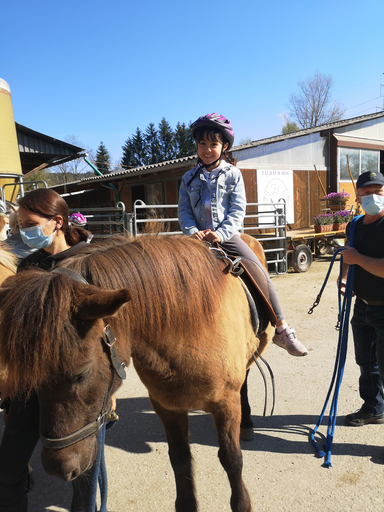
[99, 475]
[343, 324]
[99, 472]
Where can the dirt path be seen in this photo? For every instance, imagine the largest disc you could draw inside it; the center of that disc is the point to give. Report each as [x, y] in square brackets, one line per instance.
[280, 468]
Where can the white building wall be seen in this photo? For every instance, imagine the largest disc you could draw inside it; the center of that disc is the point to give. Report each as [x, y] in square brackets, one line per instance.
[373, 129]
[300, 153]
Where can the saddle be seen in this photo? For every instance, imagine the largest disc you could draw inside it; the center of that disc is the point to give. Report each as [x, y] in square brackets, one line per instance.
[255, 285]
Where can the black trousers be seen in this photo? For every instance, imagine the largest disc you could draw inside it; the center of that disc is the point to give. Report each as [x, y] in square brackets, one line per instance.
[21, 434]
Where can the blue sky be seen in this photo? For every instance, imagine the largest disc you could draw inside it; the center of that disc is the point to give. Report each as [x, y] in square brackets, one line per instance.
[98, 70]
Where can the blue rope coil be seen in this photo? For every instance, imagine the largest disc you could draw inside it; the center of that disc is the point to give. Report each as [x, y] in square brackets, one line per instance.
[342, 326]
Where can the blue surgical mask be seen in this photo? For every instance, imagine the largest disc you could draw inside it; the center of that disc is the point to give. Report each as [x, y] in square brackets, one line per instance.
[35, 238]
[372, 204]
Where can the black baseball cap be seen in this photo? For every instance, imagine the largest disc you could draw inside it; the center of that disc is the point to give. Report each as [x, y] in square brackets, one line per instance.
[370, 178]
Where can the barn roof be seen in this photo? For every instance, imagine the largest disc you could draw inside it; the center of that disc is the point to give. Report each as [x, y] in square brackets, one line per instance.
[322, 128]
[40, 151]
[188, 160]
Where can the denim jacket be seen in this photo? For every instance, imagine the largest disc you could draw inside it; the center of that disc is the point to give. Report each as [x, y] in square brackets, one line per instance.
[228, 201]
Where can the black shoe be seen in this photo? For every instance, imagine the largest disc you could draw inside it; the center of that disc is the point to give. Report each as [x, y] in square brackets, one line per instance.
[360, 418]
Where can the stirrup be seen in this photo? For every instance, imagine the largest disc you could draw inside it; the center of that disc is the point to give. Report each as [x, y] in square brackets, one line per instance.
[234, 266]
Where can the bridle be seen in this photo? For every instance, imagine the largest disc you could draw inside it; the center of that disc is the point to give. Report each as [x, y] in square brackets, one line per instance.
[116, 366]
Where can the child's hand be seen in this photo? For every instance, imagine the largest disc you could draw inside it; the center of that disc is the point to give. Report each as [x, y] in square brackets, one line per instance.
[199, 235]
[211, 236]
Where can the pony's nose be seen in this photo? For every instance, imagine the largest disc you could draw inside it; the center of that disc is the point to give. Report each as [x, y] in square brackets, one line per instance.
[67, 467]
[54, 468]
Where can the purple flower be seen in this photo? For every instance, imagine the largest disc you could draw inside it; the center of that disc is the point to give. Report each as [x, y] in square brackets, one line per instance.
[342, 216]
[323, 219]
[338, 197]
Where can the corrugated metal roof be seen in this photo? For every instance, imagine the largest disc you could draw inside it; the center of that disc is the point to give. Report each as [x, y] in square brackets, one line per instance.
[181, 162]
[31, 141]
[145, 169]
[37, 149]
[308, 131]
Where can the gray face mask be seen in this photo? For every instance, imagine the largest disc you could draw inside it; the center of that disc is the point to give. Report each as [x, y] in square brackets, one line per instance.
[372, 204]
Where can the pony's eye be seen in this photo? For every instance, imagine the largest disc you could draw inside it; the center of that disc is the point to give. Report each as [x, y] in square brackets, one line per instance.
[79, 377]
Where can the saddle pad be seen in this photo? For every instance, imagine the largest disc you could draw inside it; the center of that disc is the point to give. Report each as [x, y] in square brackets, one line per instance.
[253, 278]
[257, 284]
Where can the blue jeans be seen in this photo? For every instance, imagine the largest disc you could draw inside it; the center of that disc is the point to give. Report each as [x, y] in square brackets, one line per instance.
[368, 335]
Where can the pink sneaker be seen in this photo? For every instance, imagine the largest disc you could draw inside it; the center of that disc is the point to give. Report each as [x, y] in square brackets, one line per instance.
[287, 339]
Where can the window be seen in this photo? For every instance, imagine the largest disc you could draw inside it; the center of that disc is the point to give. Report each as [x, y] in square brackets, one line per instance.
[360, 160]
[154, 193]
[151, 193]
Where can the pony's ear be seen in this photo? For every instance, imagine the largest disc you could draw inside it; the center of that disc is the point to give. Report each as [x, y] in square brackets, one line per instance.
[101, 304]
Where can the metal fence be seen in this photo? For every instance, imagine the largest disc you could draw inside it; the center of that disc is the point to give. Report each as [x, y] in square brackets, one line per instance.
[264, 221]
[105, 221]
[18, 186]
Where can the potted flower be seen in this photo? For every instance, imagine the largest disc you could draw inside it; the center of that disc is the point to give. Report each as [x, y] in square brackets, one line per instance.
[337, 200]
[341, 219]
[323, 222]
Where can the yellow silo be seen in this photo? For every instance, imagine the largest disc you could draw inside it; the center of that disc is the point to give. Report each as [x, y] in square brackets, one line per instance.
[9, 149]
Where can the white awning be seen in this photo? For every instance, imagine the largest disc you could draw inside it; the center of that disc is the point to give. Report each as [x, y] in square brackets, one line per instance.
[358, 142]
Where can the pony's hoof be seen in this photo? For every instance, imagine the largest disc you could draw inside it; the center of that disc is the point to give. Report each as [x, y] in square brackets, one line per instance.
[246, 434]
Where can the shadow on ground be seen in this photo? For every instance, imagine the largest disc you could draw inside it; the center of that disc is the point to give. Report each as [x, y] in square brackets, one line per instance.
[139, 428]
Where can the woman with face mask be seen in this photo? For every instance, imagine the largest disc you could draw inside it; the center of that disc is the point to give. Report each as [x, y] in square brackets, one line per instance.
[43, 217]
[44, 226]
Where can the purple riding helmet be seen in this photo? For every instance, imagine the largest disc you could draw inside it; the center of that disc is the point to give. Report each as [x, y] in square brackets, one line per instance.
[216, 121]
[78, 219]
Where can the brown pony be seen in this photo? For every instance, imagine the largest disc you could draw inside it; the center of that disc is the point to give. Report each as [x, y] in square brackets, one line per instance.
[184, 321]
[7, 268]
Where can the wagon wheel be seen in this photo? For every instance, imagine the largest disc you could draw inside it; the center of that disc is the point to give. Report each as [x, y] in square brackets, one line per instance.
[301, 258]
[323, 247]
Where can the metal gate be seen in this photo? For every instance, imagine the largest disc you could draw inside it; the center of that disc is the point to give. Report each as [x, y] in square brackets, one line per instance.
[107, 220]
[264, 221]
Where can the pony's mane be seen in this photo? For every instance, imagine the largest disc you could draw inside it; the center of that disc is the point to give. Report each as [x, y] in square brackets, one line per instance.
[14, 219]
[174, 280]
[175, 284]
[35, 326]
[7, 258]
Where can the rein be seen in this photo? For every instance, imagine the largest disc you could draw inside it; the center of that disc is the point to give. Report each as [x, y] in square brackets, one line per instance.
[342, 326]
[116, 366]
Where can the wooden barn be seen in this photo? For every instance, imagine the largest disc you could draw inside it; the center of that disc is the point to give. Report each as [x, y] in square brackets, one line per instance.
[297, 167]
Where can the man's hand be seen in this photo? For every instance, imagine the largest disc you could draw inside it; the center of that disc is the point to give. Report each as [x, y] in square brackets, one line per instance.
[350, 256]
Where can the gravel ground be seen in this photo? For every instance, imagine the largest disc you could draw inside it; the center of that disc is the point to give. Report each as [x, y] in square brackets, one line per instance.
[281, 470]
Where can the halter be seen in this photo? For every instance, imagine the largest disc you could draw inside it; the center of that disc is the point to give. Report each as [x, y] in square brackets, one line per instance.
[94, 426]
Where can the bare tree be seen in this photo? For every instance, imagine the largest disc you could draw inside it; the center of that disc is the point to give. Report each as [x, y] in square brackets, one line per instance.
[313, 106]
[74, 169]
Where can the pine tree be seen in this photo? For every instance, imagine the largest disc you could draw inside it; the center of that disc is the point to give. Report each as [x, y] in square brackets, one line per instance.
[152, 145]
[134, 151]
[184, 144]
[103, 159]
[166, 141]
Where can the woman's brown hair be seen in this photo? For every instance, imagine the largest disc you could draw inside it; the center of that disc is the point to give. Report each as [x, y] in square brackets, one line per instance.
[48, 203]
